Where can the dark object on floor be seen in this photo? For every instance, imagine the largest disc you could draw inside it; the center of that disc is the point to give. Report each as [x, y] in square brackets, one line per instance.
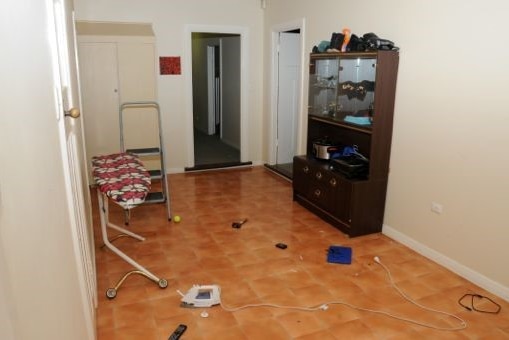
[239, 224]
[339, 254]
[281, 246]
[178, 332]
[477, 300]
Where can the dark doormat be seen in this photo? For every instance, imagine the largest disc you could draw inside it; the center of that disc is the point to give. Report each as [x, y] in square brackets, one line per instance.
[285, 170]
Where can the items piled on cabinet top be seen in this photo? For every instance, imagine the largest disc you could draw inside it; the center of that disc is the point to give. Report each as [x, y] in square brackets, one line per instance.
[348, 42]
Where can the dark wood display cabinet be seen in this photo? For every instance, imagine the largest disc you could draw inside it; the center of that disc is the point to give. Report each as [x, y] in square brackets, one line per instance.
[351, 105]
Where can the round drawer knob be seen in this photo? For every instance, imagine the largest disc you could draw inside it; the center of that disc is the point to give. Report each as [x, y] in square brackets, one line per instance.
[305, 169]
[319, 175]
[333, 182]
[318, 192]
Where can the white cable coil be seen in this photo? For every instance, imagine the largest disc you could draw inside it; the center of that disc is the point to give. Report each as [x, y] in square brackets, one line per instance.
[324, 306]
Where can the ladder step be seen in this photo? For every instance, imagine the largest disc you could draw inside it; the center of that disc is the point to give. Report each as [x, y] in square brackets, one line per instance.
[155, 197]
[151, 154]
[155, 174]
[144, 151]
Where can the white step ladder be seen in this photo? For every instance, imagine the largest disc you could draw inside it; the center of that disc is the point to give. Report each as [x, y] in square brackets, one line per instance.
[152, 153]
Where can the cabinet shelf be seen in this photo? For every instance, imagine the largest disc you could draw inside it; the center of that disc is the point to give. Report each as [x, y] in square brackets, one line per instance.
[323, 87]
[333, 121]
[155, 151]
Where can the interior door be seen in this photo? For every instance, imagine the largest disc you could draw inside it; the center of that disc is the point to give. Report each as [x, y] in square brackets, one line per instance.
[288, 96]
[69, 122]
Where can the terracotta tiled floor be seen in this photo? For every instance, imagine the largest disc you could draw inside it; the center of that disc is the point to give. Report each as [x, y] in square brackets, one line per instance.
[204, 249]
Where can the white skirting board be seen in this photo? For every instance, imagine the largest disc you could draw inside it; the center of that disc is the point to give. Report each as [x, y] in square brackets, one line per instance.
[454, 266]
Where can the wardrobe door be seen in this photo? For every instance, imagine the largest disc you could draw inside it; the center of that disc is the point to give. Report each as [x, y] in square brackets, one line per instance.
[137, 78]
[136, 65]
[100, 97]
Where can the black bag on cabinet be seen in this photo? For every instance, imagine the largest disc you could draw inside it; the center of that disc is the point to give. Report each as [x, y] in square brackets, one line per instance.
[373, 42]
[336, 41]
[352, 166]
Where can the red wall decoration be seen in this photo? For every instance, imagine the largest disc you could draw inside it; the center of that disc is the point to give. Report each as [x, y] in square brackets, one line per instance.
[169, 65]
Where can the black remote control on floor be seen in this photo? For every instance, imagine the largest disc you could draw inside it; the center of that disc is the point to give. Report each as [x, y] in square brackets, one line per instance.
[178, 332]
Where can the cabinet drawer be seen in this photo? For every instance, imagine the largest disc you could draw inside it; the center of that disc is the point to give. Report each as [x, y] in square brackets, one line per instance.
[322, 187]
[301, 175]
[320, 195]
[341, 197]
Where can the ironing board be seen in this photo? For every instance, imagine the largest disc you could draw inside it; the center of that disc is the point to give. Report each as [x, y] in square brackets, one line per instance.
[122, 178]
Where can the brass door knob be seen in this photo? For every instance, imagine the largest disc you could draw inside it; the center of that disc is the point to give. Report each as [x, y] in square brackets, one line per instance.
[73, 113]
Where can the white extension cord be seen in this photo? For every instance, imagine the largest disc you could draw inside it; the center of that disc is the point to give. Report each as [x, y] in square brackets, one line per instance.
[325, 306]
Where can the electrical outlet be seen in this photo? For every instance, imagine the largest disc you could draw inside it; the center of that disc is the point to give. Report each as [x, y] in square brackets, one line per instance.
[437, 207]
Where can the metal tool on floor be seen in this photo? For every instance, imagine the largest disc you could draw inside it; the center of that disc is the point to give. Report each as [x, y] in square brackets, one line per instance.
[239, 224]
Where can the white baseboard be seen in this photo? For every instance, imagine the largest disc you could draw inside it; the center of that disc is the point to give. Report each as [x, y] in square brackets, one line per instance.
[454, 266]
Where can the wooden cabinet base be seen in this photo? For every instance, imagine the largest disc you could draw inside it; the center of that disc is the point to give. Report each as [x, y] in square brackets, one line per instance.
[356, 207]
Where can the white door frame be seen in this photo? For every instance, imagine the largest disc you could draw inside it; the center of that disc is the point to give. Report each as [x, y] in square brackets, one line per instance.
[302, 114]
[187, 71]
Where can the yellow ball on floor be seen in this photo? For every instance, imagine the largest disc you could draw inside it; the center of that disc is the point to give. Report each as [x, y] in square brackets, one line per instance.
[176, 218]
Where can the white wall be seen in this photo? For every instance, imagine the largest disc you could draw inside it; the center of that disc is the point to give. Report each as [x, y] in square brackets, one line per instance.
[6, 307]
[169, 19]
[37, 260]
[450, 129]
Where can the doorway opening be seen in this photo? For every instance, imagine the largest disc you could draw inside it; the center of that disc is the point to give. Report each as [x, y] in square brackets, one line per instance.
[286, 102]
[216, 88]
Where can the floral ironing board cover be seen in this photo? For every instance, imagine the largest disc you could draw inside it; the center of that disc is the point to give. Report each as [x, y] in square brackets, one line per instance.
[122, 177]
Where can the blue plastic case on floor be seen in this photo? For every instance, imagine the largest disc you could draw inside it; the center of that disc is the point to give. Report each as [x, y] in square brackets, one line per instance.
[339, 254]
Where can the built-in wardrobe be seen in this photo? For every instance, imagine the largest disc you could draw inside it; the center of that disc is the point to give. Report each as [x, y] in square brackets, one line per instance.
[117, 64]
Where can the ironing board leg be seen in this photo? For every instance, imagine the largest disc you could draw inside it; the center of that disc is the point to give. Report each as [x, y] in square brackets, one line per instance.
[103, 205]
[127, 216]
[103, 213]
[127, 232]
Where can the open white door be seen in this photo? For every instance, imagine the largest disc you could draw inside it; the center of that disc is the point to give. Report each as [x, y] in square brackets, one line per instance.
[287, 97]
[71, 141]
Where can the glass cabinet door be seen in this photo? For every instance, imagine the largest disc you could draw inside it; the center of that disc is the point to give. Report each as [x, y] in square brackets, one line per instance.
[356, 90]
[323, 87]
[342, 89]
